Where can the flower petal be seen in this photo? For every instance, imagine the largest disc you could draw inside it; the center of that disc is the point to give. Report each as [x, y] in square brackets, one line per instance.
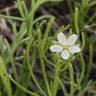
[61, 38]
[72, 39]
[56, 48]
[65, 54]
[74, 49]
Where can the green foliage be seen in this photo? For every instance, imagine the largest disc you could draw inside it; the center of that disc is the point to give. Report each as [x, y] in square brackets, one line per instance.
[35, 44]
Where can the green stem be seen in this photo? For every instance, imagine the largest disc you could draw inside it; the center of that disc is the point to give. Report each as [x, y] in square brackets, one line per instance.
[31, 72]
[44, 73]
[29, 24]
[11, 52]
[41, 18]
[11, 17]
[0, 93]
[31, 18]
[22, 88]
[82, 72]
[71, 79]
[4, 77]
[63, 87]
[55, 82]
[76, 17]
[42, 52]
[83, 67]
[20, 7]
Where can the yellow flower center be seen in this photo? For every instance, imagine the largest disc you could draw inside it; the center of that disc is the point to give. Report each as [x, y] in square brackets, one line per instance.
[65, 46]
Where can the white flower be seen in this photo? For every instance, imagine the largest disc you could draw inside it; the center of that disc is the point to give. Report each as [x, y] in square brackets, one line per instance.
[65, 46]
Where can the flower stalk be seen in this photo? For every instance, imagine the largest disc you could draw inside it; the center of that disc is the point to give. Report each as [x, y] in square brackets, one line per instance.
[57, 74]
